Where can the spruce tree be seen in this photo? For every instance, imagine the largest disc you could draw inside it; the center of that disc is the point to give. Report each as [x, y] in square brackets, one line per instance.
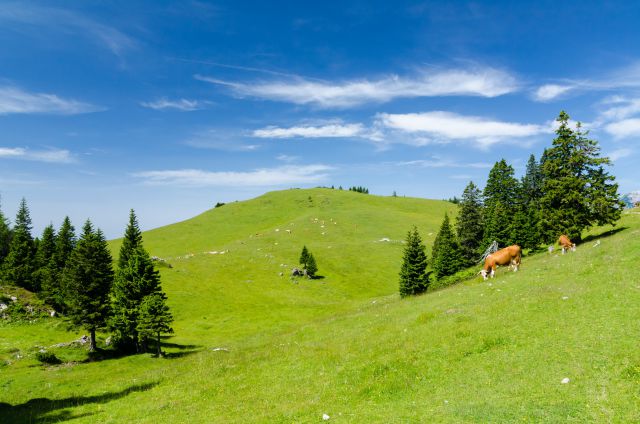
[44, 259]
[413, 273]
[527, 235]
[155, 318]
[469, 224]
[500, 204]
[19, 265]
[5, 238]
[446, 259]
[54, 291]
[578, 192]
[135, 279]
[312, 267]
[88, 278]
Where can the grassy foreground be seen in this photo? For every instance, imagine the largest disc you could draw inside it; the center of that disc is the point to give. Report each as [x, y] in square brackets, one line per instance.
[252, 346]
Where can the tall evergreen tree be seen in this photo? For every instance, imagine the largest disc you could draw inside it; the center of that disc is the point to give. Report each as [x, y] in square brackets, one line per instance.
[135, 279]
[155, 318]
[413, 273]
[527, 233]
[578, 192]
[53, 288]
[469, 224]
[132, 239]
[5, 238]
[88, 278]
[65, 243]
[19, 264]
[44, 260]
[308, 262]
[446, 258]
[500, 204]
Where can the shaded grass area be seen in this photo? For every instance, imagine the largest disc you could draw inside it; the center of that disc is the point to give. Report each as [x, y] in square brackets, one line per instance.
[271, 350]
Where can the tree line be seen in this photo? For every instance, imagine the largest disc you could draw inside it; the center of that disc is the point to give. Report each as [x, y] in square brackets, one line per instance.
[567, 191]
[75, 276]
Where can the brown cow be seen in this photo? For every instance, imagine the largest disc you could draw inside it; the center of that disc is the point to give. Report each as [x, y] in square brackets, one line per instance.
[566, 244]
[511, 256]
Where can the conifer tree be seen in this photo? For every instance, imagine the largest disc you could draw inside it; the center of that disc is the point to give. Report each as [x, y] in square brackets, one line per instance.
[446, 258]
[65, 243]
[308, 262]
[135, 279]
[5, 238]
[500, 203]
[578, 192]
[155, 318]
[88, 278]
[44, 261]
[413, 273]
[469, 224]
[53, 289]
[19, 265]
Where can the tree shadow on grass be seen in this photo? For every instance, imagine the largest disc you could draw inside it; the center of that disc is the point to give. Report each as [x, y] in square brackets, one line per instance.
[38, 410]
[604, 234]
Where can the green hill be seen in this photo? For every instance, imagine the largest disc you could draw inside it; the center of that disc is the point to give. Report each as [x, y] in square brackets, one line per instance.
[254, 346]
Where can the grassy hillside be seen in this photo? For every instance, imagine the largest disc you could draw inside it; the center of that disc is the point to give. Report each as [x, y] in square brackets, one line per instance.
[346, 345]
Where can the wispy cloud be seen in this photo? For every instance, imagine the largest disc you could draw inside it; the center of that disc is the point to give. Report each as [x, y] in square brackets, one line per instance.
[624, 128]
[549, 92]
[439, 162]
[484, 82]
[63, 20]
[180, 104]
[287, 158]
[323, 131]
[264, 177]
[623, 78]
[50, 155]
[619, 154]
[444, 127]
[15, 100]
[216, 139]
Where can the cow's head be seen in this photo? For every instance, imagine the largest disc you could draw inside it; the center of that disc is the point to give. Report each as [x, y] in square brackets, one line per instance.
[483, 273]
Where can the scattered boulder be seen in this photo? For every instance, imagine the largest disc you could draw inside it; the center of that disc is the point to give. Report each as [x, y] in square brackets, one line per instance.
[297, 272]
[565, 380]
[325, 417]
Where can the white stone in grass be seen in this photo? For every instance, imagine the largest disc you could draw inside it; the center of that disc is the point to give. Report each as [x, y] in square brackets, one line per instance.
[565, 380]
[565, 297]
[325, 417]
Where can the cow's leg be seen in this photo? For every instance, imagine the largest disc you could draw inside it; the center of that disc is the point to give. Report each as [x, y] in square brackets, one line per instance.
[493, 272]
[564, 249]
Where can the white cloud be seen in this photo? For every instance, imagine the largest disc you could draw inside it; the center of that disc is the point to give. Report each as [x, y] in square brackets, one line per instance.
[217, 139]
[625, 128]
[484, 82]
[265, 177]
[15, 100]
[50, 156]
[619, 154]
[446, 126]
[65, 21]
[180, 104]
[438, 162]
[324, 131]
[551, 91]
[287, 158]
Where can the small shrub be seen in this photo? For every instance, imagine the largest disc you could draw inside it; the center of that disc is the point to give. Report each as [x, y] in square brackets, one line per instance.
[47, 358]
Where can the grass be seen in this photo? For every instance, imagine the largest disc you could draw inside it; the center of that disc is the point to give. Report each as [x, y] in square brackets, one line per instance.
[346, 345]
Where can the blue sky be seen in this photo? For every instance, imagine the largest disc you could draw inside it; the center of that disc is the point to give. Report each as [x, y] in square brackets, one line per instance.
[169, 108]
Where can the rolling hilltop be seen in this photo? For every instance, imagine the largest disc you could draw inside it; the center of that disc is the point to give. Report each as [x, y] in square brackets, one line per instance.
[252, 345]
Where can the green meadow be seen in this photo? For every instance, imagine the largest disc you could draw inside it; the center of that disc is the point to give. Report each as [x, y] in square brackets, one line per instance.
[252, 344]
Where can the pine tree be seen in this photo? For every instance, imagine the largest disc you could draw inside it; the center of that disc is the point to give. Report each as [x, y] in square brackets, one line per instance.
[5, 237]
[132, 239]
[413, 273]
[469, 224]
[500, 201]
[308, 262]
[19, 264]
[312, 267]
[528, 234]
[135, 279]
[44, 261]
[53, 289]
[88, 278]
[155, 318]
[65, 243]
[578, 192]
[446, 258]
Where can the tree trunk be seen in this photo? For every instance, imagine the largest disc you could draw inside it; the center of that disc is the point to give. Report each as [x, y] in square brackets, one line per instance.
[159, 351]
[92, 343]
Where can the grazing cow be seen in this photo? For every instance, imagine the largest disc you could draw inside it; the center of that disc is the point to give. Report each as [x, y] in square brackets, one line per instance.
[508, 256]
[566, 244]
